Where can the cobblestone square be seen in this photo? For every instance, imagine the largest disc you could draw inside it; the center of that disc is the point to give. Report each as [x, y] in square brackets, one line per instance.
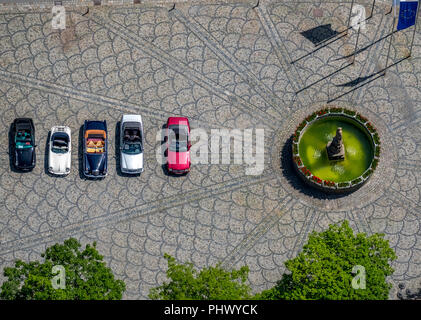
[224, 65]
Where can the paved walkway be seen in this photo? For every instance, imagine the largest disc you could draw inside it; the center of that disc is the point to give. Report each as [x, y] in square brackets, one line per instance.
[224, 66]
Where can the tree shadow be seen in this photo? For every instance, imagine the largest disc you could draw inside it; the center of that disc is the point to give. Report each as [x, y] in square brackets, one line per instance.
[117, 156]
[320, 34]
[355, 82]
[295, 181]
[164, 151]
[366, 47]
[11, 152]
[46, 153]
[323, 78]
[46, 159]
[374, 76]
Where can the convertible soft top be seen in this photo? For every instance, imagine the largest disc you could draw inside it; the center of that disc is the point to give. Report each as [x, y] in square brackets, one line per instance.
[23, 124]
[60, 136]
[92, 134]
[95, 125]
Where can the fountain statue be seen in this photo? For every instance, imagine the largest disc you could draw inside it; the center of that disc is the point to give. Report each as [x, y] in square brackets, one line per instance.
[335, 148]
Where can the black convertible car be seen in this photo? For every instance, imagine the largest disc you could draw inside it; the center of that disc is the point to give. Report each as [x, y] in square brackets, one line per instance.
[95, 145]
[23, 144]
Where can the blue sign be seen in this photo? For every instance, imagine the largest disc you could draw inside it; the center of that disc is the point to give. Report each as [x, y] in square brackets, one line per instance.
[407, 14]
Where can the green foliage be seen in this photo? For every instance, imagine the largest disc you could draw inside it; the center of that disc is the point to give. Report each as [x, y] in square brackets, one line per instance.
[349, 112]
[335, 110]
[356, 181]
[343, 184]
[376, 138]
[367, 173]
[213, 283]
[87, 276]
[377, 152]
[323, 270]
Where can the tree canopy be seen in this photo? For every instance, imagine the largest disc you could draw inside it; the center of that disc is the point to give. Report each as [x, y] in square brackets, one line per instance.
[86, 276]
[324, 268]
[212, 283]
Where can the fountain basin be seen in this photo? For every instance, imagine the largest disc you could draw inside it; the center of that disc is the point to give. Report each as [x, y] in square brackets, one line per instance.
[362, 150]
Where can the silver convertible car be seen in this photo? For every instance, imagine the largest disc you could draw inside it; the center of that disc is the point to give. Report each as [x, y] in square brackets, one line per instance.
[131, 144]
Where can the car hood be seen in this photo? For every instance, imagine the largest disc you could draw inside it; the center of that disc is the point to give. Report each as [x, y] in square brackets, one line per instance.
[95, 162]
[25, 157]
[131, 161]
[59, 162]
[178, 160]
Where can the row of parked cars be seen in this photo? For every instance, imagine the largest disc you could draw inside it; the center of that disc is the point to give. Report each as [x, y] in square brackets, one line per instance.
[95, 146]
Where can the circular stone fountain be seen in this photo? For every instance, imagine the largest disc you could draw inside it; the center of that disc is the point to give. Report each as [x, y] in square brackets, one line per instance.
[335, 150]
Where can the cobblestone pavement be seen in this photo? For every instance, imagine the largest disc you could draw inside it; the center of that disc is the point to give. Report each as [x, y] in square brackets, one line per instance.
[225, 65]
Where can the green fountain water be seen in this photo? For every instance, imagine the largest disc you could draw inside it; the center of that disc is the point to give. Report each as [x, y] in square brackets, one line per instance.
[358, 150]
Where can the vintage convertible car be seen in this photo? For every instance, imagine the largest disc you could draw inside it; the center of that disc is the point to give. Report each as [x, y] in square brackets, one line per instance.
[131, 144]
[178, 145]
[95, 145]
[23, 145]
[59, 151]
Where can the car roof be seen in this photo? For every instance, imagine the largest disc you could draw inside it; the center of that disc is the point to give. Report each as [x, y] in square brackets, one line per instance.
[131, 118]
[20, 120]
[131, 124]
[177, 120]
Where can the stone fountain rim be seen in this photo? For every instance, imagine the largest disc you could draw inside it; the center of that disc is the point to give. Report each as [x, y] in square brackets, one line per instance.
[354, 184]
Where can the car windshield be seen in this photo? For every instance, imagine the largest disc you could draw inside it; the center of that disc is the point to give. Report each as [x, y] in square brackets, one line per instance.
[59, 146]
[95, 141]
[178, 138]
[59, 149]
[23, 139]
[132, 148]
[60, 142]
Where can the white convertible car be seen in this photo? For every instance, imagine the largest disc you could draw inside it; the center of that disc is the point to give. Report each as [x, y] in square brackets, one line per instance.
[131, 144]
[60, 153]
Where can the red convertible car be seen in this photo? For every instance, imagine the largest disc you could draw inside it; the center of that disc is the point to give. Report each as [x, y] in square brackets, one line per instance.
[95, 149]
[178, 145]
